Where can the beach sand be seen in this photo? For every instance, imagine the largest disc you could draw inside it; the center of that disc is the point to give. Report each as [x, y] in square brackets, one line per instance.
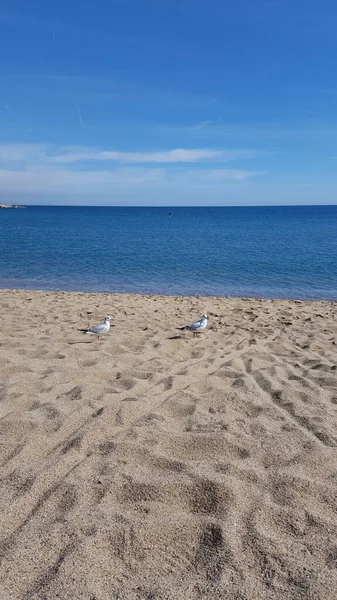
[154, 465]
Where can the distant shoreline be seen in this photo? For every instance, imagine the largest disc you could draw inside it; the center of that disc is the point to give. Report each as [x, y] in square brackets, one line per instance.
[11, 206]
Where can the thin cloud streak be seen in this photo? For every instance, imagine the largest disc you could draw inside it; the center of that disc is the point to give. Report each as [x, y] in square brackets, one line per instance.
[47, 154]
[30, 181]
[79, 112]
[179, 155]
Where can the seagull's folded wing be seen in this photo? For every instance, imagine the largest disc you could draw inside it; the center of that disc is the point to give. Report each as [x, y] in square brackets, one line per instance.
[98, 329]
[195, 325]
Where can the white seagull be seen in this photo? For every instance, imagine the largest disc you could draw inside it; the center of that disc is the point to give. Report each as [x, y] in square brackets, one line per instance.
[197, 326]
[100, 329]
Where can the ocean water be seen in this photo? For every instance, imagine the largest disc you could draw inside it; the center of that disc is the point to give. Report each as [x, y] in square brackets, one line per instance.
[270, 252]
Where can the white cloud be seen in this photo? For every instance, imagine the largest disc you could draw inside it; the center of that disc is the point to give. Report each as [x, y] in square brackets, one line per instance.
[22, 152]
[178, 155]
[46, 154]
[63, 180]
[43, 155]
[222, 175]
[80, 181]
[41, 168]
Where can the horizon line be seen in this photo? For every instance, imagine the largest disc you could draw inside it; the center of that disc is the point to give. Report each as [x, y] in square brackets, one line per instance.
[170, 206]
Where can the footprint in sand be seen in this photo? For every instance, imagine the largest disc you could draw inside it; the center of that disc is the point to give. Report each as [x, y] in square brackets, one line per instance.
[74, 394]
[197, 354]
[122, 385]
[167, 383]
[72, 443]
[89, 363]
[107, 447]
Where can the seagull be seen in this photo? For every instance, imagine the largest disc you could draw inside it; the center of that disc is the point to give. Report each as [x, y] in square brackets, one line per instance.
[100, 329]
[197, 326]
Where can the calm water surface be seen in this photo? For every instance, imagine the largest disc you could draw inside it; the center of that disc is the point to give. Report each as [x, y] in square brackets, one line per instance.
[275, 252]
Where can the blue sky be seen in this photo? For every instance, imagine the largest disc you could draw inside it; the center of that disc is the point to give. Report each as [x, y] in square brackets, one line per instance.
[168, 102]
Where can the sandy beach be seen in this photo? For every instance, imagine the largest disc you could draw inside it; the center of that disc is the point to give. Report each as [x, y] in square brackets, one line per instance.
[154, 465]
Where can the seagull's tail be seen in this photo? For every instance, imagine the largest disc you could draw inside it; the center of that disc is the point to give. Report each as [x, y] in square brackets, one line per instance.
[183, 328]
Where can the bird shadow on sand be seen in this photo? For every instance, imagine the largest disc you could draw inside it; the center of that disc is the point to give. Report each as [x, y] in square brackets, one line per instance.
[88, 329]
[82, 342]
[175, 337]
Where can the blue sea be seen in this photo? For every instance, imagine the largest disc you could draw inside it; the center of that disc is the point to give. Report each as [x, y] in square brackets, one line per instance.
[266, 252]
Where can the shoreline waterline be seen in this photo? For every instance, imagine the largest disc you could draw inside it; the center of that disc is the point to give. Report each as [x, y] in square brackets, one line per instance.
[139, 295]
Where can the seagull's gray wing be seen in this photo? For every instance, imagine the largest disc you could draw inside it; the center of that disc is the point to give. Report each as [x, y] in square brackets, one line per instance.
[98, 329]
[195, 325]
